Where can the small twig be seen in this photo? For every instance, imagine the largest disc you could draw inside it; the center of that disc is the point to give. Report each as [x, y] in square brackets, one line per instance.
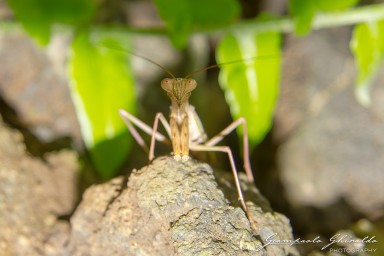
[353, 16]
[322, 20]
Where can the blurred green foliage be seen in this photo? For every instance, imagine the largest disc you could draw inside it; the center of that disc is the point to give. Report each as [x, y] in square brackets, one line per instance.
[182, 17]
[101, 84]
[39, 16]
[251, 87]
[303, 11]
[367, 45]
[102, 80]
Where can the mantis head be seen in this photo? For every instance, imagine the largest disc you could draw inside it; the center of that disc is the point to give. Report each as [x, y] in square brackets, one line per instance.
[178, 89]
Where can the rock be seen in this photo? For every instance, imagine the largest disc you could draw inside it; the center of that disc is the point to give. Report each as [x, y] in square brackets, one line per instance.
[331, 158]
[33, 82]
[34, 194]
[172, 208]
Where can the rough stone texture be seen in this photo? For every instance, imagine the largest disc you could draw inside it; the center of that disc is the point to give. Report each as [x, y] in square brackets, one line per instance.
[333, 150]
[34, 83]
[171, 208]
[167, 208]
[33, 194]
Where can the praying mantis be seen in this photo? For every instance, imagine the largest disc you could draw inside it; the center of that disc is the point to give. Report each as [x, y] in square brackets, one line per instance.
[185, 129]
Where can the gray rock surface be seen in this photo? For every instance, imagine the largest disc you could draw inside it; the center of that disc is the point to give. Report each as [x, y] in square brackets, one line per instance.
[166, 208]
[172, 208]
[333, 147]
[33, 81]
[33, 195]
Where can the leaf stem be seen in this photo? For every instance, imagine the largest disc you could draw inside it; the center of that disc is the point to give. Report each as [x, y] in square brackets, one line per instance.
[284, 24]
[322, 20]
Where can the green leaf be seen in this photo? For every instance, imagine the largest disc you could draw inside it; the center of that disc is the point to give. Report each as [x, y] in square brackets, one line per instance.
[251, 86]
[367, 45]
[332, 5]
[38, 16]
[182, 16]
[101, 85]
[303, 11]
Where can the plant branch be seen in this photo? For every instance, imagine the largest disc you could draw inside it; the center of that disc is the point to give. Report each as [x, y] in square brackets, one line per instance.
[322, 20]
[361, 14]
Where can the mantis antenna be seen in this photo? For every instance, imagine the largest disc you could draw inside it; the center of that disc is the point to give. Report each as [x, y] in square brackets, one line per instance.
[228, 63]
[118, 48]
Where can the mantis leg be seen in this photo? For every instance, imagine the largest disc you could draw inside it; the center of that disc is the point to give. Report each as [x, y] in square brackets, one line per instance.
[159, 116]
[225, 132]
[227, 150]
[131, 120]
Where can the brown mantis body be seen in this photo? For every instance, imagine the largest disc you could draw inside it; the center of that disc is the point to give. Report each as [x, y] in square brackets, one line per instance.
[185, 128]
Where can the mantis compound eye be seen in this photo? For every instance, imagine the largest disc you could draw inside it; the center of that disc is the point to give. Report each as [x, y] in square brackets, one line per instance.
[166, 84]
[190, 84]
[166, 81]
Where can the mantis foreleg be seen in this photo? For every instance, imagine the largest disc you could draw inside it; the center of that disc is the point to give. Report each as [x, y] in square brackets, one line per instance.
[159, 116]
[131, 120]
